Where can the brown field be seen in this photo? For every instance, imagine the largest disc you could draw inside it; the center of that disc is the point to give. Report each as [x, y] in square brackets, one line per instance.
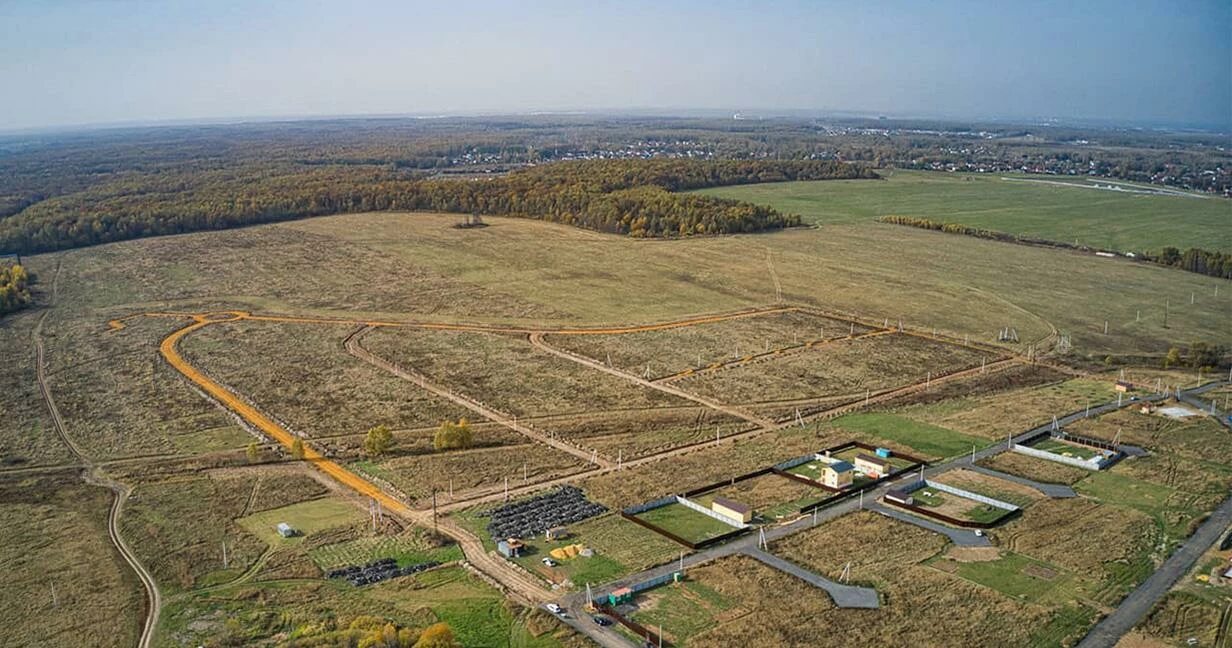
[1196, 437]
[472, 471]
[667, 352]
[55, 544]
[994, 416]
[1180, 616]
[786, 410]
[1013, 377]
[302, 375]
[1079, 534]
[26, 438]
[636, 433]
[703, 466]
[120, 399]
[510, 374]
[176, 528]
[840, 368]
[989, 486]
[1034, 468]
[920, 604]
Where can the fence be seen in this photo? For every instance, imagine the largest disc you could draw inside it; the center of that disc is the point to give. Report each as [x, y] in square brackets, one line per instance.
[792, 463]
[636, 628]
[705, 511]
[1086, 441]
[653, 504]
[1052, 456]
[946, 488]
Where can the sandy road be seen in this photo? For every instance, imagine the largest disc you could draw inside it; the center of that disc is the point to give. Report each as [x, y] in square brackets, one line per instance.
[520, 585]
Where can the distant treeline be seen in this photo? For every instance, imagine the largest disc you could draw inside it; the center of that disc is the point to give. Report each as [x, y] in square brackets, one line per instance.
[1215, 264]
[633, 197]
[14, 289]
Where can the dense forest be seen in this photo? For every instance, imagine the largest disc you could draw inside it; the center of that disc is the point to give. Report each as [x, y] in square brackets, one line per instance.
[613, 174]
[1215, 264]
[14, 288]
[633, 197]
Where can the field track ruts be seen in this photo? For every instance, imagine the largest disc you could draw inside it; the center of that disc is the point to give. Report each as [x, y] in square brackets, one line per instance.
[355, 347]
[119, 491]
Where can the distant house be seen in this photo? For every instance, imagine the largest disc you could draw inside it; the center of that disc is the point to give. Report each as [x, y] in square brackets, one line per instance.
[1123, 386]
[873, 466]
[286, 530]
[1147, 407]
[838, 474]
[732, 509]
[556, 533]
[900, 497]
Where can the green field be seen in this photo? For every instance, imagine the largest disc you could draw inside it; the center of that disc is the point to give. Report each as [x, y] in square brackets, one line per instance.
[1100, 218]
[1023, 578]
[407, 550]
[685, 522]
[305, 517]
[1066, 449]
[932, 440]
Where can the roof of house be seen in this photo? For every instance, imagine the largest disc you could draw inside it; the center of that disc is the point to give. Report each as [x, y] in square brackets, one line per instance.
[872, 459]
[841, 467]
[731, 505]
[283, 526]
[899, 494]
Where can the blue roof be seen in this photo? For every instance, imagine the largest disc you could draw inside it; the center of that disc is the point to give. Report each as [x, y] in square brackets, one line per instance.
[841, 466]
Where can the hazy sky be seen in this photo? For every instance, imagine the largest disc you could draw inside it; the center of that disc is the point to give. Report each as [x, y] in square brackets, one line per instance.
[78, 62]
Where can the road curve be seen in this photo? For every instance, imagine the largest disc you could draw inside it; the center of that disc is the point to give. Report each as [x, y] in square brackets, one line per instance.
[119, 491]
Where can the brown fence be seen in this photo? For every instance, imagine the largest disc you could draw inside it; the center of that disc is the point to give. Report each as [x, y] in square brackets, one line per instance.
[633, 626]
[966, 524]
[727, 482]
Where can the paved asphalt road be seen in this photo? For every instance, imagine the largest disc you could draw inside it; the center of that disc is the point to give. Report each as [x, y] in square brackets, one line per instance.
[1056, 491]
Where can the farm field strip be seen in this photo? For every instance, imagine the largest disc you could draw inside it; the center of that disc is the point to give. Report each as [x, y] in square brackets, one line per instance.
[766, 356]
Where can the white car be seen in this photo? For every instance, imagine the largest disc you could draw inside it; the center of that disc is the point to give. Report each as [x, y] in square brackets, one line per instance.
[555, 609]
[548, 562]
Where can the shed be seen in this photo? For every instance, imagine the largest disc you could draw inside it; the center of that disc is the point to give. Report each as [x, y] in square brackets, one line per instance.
[873, 466]
[731, 509]
[556, 533]
[1123, 386]
[622, 595]
[285, 530]
[1147, 407]
[510, 547]
[900, 496]
[884, 453]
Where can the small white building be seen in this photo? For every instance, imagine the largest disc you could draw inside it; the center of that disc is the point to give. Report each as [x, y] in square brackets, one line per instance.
[285, 530]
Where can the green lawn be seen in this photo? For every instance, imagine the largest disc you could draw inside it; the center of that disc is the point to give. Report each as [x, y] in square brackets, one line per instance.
[1115, 488]
[683, 609]
[931, 440]
[305, 517]
[685, 522]
[1120, 221]
[1066, 449]
[407, 550]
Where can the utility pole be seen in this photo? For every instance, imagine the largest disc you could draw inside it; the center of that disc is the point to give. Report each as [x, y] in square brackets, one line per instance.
[224, 554]
[973, 454]
[434, 504]
[55, 599]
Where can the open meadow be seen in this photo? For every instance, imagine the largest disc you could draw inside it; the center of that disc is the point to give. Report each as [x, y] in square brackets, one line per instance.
[1035, 206]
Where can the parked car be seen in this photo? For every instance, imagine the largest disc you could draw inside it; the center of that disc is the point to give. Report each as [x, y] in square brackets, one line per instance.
[602, 620]
[548, 562]
[979, 533]
[555, 609]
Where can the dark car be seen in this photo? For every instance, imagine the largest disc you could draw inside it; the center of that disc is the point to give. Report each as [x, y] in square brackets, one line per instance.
[602, 620]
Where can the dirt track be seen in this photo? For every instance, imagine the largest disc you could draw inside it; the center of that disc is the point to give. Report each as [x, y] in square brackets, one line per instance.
[517, 583]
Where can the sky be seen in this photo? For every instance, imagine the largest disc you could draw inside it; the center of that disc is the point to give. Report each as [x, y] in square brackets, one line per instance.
[77, 62]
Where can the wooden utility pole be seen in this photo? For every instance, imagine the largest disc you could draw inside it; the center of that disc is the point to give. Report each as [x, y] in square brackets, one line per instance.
[434, 508]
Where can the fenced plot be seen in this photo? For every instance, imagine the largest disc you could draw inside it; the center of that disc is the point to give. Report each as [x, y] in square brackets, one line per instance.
[954, 506]
[770, 496]
[686, 524]
[406, 550]
[630, 434]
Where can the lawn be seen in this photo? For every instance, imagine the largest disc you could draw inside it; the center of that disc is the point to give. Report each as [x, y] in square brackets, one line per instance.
[620, 548]
[682, 609]
[935, 441]
[1066, 449]
[305, 517]
[406, 549]
[685, 522]
[1020, 206]
[771, 496]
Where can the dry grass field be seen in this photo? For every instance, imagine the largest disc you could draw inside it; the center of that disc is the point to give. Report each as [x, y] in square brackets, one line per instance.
[635, 433]
[120, 399]
[703, 466]
[26, 437]
[510, 374]
[64, 584]
[919, 603]
[989, 486]
[1180, 617]
[667, 352]
[994, 416]
[1034, 468]
[471, 472]
[302, 375]
[841, 368]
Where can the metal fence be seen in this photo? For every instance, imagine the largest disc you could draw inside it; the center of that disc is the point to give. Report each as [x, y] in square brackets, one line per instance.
[1052, 456]
[705, 511]
[647, 506]
[946, 488]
